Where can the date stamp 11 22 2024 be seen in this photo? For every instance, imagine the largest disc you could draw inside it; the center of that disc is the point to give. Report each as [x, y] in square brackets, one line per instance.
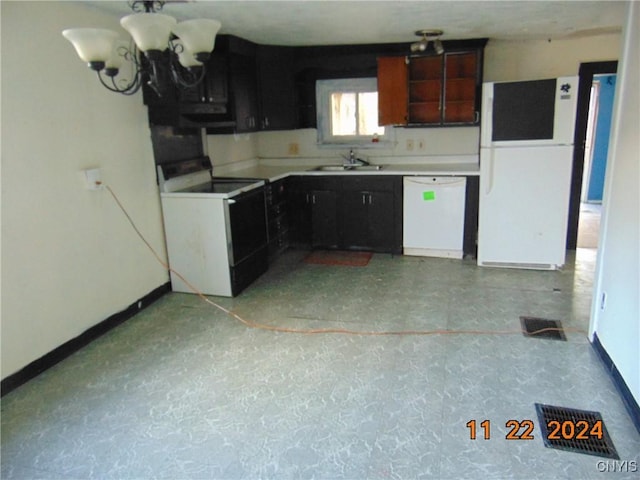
[556, 430]
[523, 429]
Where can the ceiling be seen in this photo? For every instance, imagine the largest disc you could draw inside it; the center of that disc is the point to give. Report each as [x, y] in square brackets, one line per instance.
[331, 22]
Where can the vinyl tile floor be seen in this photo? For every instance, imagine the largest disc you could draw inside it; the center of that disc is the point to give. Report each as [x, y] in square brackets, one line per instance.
[183, 391]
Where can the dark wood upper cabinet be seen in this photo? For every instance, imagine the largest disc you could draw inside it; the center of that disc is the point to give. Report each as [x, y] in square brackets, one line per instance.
[244, 90]
[425, 89]
[276, 88]
[214, 87]
[250, 87]
[462, 80]
[440, 89]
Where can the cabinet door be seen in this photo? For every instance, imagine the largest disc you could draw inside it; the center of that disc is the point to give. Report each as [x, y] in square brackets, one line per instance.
[244, 91]
[216, 81]
[276, 88]
[381, 221]
[355, 222]
[460, 87]
[213, 88]
[324, 219]
[299, 211]
[392, 91]
[368, 220]
[425, 90]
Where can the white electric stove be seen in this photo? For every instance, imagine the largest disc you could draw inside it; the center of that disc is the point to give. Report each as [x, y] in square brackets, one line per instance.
[215, 228]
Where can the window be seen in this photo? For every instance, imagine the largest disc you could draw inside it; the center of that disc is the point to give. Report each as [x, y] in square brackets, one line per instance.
[348, 112]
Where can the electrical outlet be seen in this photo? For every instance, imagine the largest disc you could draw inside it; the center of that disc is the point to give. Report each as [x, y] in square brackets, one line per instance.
[410, 144]
[93, 177]
[422, 146]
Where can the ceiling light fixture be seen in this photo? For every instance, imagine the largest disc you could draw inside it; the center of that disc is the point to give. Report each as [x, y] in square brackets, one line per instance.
[189, 43]
[427, 36]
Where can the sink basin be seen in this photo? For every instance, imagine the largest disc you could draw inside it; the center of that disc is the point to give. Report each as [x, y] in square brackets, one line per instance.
[347, 168]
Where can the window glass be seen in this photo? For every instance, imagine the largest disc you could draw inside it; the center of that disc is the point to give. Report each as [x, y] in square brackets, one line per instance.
[343, 113]
[347, 112]
[368, 114]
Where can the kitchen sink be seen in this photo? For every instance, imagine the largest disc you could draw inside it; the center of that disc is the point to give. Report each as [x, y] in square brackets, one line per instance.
[347, 168]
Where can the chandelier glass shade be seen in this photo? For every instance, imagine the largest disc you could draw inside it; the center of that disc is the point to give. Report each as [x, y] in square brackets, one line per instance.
[150, 31]
[197, 36]
[189, 45]
[93, 45]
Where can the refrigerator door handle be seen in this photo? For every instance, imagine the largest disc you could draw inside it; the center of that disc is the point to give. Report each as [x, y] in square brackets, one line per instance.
[486, 117]
[489, 172]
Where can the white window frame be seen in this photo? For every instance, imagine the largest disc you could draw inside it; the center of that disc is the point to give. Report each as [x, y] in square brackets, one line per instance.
[324, 90]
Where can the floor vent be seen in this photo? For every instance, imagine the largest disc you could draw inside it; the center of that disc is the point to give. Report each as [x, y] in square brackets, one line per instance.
[579, 431]
[542, 328]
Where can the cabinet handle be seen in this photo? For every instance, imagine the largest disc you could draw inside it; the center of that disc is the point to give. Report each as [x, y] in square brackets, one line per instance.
[266, 121]
[370, 199]
[364, 199]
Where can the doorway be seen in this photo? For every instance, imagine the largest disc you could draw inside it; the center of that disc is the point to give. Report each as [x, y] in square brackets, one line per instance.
[589, 213]
[595, 158]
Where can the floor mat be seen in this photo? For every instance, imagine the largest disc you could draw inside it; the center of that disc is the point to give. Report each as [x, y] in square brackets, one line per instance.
[338, 257]
[542, 328]
[579, 431]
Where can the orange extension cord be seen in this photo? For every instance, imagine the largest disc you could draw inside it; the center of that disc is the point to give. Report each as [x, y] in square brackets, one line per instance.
[313, 331]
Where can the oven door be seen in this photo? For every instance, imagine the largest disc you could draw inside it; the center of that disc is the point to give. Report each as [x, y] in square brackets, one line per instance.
[247, 238]
[247, 224]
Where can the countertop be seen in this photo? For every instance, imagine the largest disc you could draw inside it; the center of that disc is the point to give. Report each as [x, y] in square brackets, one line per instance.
[276, 172]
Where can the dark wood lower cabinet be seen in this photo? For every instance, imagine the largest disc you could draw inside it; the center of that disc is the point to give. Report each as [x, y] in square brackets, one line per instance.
[368, 220]
[324, 219]
[347, 212]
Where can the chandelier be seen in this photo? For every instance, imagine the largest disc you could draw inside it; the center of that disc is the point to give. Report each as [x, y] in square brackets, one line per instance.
[159, 48]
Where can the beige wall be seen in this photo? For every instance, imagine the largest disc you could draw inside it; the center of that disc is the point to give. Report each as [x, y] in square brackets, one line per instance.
[618, 267]
[230, 150]
[225, 150]
[531, 59]
[69, 258]
[425, 141]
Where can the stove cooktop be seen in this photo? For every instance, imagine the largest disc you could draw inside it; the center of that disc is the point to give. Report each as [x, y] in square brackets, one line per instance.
[219, 186]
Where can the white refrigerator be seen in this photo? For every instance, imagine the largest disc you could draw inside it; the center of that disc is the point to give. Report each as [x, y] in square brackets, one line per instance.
[526, 157]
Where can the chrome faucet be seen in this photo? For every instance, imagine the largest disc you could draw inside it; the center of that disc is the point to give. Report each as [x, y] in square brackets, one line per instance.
[353, 160]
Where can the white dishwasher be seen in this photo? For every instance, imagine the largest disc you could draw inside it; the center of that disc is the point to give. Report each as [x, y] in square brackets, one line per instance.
[433, 216]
